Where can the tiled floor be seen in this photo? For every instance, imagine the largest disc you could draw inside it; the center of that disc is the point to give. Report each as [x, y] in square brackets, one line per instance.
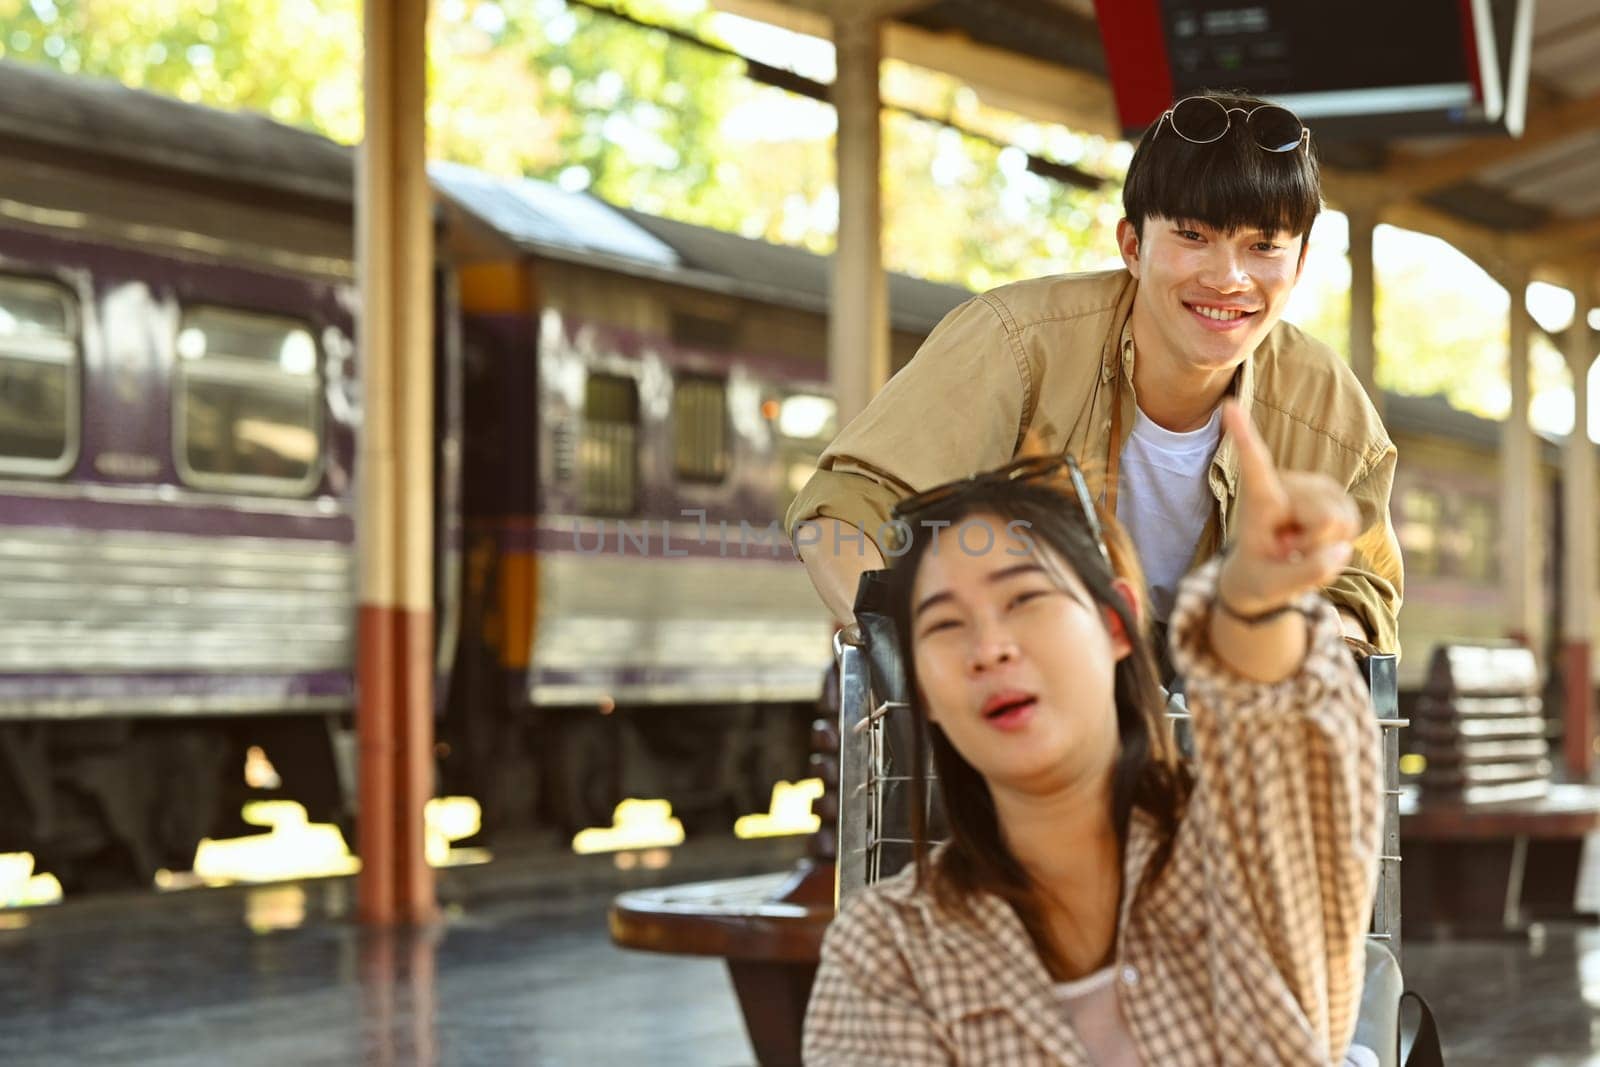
[279, 975]
[520, 973]
[1531, 1002]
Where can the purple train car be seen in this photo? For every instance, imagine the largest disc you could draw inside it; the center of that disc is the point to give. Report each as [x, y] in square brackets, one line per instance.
[625, 407]
[178, 403]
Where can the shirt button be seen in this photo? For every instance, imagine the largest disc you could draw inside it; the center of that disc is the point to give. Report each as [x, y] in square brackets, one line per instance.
[1130, 976]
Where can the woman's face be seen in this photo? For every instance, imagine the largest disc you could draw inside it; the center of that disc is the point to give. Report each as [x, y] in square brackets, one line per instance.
[1016, 667]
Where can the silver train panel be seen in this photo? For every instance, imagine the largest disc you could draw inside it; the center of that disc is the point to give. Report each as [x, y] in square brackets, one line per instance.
[103, 602]
[640, 629]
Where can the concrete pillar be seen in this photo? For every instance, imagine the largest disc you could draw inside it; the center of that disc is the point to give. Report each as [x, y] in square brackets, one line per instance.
[1579, 545]
[1363, 294]
[394, 671]
[1522, 493]
[858, 324]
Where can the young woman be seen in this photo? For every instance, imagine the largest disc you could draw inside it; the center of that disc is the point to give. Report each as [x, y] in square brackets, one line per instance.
[1098, 901]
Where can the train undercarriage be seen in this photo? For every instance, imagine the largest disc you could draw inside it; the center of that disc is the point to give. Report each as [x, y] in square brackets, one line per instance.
[107, 803]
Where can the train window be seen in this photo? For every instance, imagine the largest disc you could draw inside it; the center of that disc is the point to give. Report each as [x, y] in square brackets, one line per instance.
[247, 407]
[700, 429]
[1421, 511]
[806, 423]
[38, 376]
[699, 331]
[608, 448]
[1476, 525]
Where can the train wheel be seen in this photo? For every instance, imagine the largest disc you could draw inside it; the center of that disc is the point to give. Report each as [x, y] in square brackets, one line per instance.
[190, 768]
[582, 769]
[780, 746]
[110, 867]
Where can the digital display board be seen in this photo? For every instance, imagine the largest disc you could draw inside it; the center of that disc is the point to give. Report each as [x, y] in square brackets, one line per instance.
[1362, 66]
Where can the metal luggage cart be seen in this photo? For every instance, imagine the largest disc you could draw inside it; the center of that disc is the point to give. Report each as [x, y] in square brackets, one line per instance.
[874, 834]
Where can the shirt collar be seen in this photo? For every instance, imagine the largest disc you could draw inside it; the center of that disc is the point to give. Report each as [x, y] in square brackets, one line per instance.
[1120, 357]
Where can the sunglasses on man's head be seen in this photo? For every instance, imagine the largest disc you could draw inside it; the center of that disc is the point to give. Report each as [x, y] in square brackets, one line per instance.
[1204, 119]
[1029, 469]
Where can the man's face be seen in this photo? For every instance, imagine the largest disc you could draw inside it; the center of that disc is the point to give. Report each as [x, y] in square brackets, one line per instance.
[1207, 295]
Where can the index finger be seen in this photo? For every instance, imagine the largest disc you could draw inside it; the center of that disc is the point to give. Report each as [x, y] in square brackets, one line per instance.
[1257, 472]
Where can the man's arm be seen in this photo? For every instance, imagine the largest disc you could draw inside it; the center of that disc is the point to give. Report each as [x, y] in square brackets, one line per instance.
[835, 562]
[1351, 626]
[956, 408]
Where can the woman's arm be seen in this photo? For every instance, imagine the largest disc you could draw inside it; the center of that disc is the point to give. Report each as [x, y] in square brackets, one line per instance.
[1285, 817]
[1284, 821]
[1293, 534]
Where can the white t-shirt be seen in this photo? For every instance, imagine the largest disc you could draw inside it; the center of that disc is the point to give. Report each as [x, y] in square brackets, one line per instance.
[1163, 500]
[1091, 1006]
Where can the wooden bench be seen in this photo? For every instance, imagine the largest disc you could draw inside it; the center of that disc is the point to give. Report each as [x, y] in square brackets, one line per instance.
[1492, 868]
[769, 928]
[1489, 842]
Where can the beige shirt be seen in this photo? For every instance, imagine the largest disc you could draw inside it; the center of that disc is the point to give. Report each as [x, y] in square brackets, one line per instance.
[1047, 355]
[1247, 948]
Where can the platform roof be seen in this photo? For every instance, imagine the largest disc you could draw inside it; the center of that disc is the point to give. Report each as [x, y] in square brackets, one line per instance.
[1533, 202]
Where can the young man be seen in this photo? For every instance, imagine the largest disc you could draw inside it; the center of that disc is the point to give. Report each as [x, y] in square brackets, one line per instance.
[1126, 369]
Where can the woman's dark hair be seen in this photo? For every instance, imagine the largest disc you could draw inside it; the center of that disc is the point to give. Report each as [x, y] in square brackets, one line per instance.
[1229, 184]
[1148, 774]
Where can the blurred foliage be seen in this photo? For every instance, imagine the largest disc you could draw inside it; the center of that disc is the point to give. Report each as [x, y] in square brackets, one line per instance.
[1441, 338]
[1442, 326]
[563, 93]
[559, 92]
[291, 59]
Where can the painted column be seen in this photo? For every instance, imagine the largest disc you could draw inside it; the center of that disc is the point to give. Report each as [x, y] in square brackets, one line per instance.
[1363, 294]
[394, 712]
[1522, 494]
[858, 324]
[1578, 530]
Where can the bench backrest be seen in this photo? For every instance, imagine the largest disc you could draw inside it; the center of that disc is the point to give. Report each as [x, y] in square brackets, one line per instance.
[1480, 726]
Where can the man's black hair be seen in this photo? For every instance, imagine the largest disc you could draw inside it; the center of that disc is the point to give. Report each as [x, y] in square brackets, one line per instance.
[1229, 184]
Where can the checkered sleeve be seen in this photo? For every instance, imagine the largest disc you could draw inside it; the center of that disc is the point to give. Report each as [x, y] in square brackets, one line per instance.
[1286, 818]
[866, 1008]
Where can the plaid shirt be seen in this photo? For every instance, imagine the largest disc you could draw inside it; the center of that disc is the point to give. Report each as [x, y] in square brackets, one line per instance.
[1247, 949]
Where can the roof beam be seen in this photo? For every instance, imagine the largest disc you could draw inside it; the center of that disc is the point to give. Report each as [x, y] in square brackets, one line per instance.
[1547, 125]
[857, 10]
[1044, 92]
[1493, 249]
[1562, 238]
[1034, 89]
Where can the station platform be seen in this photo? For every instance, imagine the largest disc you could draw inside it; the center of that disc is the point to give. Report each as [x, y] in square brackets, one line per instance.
[522, 970]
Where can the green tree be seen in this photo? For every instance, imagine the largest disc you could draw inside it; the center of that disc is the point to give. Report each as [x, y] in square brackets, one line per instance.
[564, 93]
[295, 60]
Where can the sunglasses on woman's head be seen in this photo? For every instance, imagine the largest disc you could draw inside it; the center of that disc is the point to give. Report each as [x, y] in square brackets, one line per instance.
[1030, 469]
[1204, 119]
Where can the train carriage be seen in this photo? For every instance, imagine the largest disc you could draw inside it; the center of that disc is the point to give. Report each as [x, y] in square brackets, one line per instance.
[647, 602]
[179, 397]
[178, 402]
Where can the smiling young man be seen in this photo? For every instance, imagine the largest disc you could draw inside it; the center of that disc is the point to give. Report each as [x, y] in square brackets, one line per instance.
[1127, 369]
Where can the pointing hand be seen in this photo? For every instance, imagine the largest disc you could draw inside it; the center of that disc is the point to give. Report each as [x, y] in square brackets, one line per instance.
[1293, 530]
